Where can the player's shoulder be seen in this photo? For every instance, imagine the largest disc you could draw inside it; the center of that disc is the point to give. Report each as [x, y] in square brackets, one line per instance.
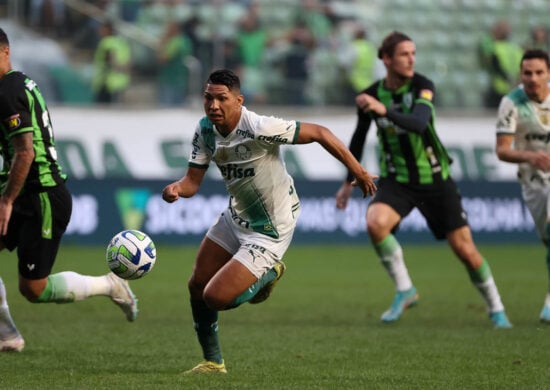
[517, 96]
[373, 88]
[419, 81]
[12, 81]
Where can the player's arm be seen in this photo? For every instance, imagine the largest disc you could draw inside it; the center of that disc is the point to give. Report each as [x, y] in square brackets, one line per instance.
[415, 121]
[185, 187]
[356, 147]
[310, 132]
[505, 152]
[21, 164]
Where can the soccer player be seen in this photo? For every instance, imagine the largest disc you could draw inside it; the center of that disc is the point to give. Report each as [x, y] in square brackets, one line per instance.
[35, 206]
[522, 137]
[240, 258]
[414, 172]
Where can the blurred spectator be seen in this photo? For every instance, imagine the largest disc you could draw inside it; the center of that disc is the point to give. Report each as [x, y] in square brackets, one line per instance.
[538, 39]
[499, 56]
[48, 16]
[295, 63]
[252, 39]
[318, 18]
[111, 66]
[129, 10]
[173, 75]
[360, 61]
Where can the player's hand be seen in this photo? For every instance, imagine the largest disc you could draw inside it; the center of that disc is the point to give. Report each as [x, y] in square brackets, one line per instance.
[540, 160]
[170, 193]
[369, 103]
[6, 208]
[366, 184]
[343, 195]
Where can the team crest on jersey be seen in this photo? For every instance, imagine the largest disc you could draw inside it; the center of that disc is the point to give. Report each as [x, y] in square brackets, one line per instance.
[243, 152]
[426, 94]
[13, 122]
[408, 100]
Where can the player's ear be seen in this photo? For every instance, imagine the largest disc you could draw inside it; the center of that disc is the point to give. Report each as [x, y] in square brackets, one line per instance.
[240, 99]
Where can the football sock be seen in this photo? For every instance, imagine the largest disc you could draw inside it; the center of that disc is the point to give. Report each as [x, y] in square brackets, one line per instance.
[68, 286]
[548, 261]
[391, 255]
[482, 278]
[206, 325]
[7, 327]
[251, 291]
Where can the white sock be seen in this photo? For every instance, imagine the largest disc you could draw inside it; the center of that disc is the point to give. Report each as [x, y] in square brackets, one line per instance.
[489, 292]
[547, 300]
[70, 286]
[391, 256]
[7, 326]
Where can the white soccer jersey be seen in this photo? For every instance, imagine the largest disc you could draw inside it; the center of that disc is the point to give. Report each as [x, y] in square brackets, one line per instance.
[529, 122]
[263, 198]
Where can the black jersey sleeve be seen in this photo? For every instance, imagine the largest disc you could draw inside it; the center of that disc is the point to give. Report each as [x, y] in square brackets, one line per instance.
[417, 120]
[14, 111]
[358, 138]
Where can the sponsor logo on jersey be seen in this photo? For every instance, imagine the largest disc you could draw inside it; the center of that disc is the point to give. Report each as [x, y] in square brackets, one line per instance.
[245, 133]
[426, 94]
[30, 84]
[538, 137]
[233, 171]
[13, 122]
[275, 139]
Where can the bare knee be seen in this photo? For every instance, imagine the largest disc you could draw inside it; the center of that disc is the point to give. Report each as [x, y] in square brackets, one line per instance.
[214, 300]
[32, 289]
[381, 219]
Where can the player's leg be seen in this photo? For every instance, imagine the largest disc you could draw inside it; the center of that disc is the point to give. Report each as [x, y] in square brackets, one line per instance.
[37, 252]
[211, 257]
[545, 312]
[480, 273]
[381, 219]
[10, 338]
[537, 200]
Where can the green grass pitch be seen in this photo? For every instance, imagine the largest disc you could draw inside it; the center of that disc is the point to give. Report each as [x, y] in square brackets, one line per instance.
[319, 330]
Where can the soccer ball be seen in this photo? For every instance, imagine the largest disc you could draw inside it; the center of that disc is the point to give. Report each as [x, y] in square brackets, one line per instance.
[131, 254]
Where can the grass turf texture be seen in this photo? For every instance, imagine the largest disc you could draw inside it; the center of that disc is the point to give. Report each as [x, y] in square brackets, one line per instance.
[319, 330]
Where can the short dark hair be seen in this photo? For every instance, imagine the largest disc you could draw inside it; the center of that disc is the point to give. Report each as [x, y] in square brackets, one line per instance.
[4, 41]
[225, 77]
[532, 54]
[390, 42]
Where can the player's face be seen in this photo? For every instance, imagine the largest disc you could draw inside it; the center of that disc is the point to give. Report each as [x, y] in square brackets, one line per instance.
[401, 64]
[222, 107]
[5, 65]
[535, 76]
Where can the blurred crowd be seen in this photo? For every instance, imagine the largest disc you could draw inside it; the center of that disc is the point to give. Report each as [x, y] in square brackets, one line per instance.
[299, 53]
[305, 52]
[499, 56]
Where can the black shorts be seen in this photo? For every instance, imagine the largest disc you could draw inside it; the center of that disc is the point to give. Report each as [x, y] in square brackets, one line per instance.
[37, 224]
[439, 203]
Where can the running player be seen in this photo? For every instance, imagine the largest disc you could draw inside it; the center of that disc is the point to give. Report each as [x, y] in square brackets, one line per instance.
[35, 206]
[240, 259]
[523, 135]
[414, 173]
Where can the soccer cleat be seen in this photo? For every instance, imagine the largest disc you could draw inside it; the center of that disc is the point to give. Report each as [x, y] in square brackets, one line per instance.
[15, 344]
[123, 297]
[402, 301]
[207, 367]
[500, 320]
[265, 291]
[545, 314]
